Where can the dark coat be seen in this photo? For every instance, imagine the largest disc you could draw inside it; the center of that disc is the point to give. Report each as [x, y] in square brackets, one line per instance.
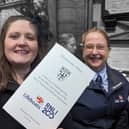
[97, 109]
[6, 121]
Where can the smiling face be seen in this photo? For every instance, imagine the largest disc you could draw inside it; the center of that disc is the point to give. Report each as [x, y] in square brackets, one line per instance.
[20, 44]
[96, 50]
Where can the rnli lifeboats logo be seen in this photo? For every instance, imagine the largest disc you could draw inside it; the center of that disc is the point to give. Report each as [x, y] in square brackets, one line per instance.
[119, 99]
[39, 99]
[63, 73]
[47, 108]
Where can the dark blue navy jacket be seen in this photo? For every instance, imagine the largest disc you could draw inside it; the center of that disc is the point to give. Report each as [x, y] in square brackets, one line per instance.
[97, 109]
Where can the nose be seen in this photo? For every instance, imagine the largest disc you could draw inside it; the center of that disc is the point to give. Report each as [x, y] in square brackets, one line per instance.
[94, 50]
[22, 41]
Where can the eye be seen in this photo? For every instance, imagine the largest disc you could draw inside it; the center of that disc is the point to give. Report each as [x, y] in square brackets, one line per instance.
[31, 37]
[89, 47]
[100, 47]
[14, 36]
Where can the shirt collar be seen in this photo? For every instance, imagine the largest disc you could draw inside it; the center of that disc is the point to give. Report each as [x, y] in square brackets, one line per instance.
[102, 73]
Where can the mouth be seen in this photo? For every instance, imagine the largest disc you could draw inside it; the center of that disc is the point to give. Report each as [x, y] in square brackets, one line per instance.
[95, 57]
[21, 51]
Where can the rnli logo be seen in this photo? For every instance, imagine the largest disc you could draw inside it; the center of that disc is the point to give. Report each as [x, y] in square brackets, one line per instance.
[119, 99]
[39, 99]
[49, 110]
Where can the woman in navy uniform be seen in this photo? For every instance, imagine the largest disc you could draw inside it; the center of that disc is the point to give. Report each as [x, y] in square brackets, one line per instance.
[103, 103]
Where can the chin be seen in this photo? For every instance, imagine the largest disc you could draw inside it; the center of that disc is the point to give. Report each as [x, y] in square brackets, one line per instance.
[96, 67]
[20, 63]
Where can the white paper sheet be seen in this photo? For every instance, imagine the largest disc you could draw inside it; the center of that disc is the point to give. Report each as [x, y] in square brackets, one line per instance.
[50, 91]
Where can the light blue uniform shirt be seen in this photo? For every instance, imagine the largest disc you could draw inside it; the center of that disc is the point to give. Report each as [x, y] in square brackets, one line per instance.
[103, 74]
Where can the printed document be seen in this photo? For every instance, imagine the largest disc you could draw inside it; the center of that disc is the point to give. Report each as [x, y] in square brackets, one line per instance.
[50, 91]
